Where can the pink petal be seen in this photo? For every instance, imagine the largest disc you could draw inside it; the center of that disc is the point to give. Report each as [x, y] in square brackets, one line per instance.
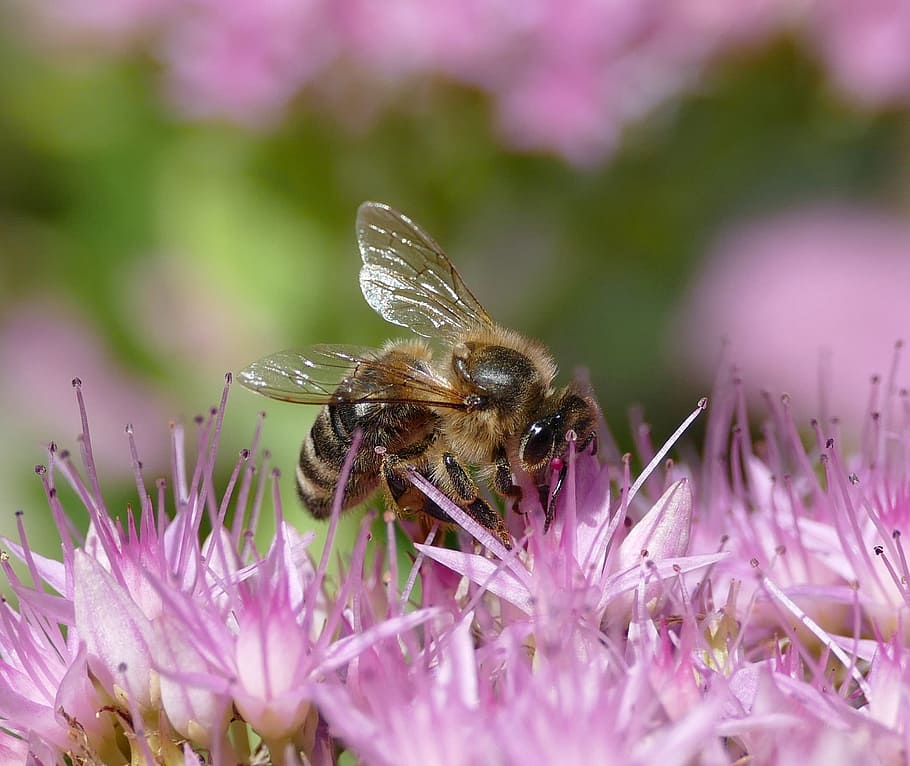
[485, 573]
[118, 636]
[663, 531]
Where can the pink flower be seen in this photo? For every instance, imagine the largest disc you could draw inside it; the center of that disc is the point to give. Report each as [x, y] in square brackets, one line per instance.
[165, 632]
[566, 79]
[40, 343]
[750, 607]
[246, 59]
[810, 303]
[585, 565]
[864, 45]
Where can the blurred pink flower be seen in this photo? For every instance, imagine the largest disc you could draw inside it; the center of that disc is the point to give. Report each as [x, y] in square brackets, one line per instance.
[43, 345]
[563, 78]
[245, 59]
[115, 26]
[864, 45]
[811, 302]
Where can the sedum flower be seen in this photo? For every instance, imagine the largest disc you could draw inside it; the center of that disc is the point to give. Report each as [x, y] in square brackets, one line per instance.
[589, 563]
[788, 269]
[147, 638]
[748, 608]
[566, 81]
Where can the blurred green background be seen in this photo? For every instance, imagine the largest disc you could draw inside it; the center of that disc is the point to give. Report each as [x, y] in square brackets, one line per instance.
[148, 253]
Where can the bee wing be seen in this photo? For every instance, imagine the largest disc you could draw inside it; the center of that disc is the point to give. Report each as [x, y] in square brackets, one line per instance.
[409, 280]
[329, 374]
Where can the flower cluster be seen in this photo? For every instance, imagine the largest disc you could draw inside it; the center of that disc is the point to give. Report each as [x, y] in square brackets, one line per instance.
[752, 607]
[562, 79]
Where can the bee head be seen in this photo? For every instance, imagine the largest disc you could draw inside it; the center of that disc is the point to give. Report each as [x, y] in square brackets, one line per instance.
[545, 439]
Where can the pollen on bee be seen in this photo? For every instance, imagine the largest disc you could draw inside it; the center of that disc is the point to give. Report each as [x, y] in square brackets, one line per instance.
[379, 449]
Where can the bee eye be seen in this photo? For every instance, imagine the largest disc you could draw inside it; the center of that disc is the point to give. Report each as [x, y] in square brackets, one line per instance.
[537, 442]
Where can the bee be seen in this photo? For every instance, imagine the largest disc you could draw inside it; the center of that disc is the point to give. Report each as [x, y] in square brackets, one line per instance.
[482, 398]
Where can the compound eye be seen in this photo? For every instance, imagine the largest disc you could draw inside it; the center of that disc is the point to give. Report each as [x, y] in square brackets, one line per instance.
[537, 442]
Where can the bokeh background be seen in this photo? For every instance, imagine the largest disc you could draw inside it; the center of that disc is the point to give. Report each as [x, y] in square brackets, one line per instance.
[630, 182]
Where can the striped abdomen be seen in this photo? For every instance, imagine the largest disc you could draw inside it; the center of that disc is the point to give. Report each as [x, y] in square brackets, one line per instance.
[395, 427]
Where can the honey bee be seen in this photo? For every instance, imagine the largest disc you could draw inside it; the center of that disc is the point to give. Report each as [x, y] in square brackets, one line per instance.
[485, 400]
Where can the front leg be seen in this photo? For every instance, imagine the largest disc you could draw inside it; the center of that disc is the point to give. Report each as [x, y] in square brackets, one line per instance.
[502, 479]
[468, 497]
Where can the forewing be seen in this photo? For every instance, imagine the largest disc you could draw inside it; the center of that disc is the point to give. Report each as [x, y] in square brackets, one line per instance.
[331, 374]
[409, 280]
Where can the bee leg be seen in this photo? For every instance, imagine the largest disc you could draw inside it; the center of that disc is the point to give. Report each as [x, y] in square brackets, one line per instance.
[468, 498]
[502, 480]
[548, 499]
[403, 492]
[455, 480]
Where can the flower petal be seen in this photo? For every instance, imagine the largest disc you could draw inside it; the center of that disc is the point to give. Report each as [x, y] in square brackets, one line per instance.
[663, 531]
[118, 636]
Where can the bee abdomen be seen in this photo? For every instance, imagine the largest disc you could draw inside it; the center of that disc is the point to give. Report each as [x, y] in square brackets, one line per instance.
[322, 457]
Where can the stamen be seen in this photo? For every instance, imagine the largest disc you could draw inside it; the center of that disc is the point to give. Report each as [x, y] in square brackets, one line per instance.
[246, 484]
[905, 571]
[86, 446]
[415, 568]
[178, 465]
[655, 461]
[838, 472]
[392, 563]
[479, 533]
[256, 510]
[870, 436]
[780, 597]
[144, 498]
[895, 577]
[343, 478]
[569, 535]
[349, 584]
